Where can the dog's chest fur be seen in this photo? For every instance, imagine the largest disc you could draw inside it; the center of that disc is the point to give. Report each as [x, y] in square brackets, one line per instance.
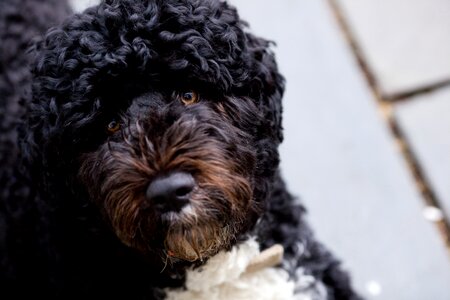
[229, 275]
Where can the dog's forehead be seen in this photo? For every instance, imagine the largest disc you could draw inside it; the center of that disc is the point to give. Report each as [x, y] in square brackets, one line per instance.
[112, 53]
[146, 102]
[172, 43]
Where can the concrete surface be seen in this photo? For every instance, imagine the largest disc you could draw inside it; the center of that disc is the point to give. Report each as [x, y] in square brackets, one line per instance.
[338, 156]
[406, 42]
[425, 120]
[80, 5]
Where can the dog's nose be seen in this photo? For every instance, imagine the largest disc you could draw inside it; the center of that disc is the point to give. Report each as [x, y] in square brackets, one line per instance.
[171, 193]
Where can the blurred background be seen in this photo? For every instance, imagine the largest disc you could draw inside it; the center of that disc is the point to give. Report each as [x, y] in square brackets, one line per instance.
[367, 133]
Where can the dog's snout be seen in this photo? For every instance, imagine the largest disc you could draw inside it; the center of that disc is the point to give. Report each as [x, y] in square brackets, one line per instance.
[171, 193]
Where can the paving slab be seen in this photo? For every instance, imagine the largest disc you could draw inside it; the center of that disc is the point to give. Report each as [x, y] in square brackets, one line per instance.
[339, 157]
[81, 5]
[425, 121]
[405, 42]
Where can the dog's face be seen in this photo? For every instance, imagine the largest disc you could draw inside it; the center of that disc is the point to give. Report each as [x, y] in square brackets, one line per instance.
[176, 173]
[166, 116]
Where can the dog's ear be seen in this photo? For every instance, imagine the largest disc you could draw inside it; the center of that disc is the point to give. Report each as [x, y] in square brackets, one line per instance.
[267, 84]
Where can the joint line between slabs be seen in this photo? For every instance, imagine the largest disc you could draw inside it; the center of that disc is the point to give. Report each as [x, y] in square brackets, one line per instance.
[385, 105]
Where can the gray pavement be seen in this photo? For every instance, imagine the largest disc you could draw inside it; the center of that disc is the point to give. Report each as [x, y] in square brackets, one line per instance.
[80, 5]
[406, 42]
[340, 158]
[425, 120]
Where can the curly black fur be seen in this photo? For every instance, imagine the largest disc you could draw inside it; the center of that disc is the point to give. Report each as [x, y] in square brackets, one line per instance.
[128, 60]
[20, 22]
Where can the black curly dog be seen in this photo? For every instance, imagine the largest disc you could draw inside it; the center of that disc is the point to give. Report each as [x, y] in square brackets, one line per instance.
[146, 134]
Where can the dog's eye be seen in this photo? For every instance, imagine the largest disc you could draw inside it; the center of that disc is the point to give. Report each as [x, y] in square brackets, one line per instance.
[188, 98]
[113, 126]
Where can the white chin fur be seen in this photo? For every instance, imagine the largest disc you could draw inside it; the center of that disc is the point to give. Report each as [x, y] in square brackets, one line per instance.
[224, 277]
[172, 217]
